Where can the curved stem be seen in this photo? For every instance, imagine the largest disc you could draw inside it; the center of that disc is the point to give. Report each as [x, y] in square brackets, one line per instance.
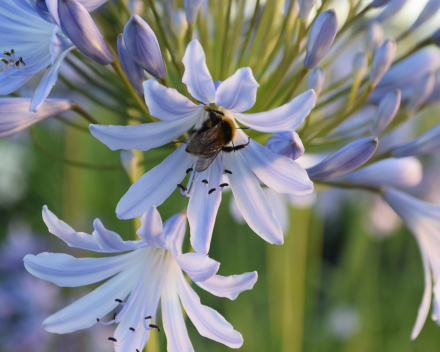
[78, 109]
[249, 33]
[74, 125]
[349, 186]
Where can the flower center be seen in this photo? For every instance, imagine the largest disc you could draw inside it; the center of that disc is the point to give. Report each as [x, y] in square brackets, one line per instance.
[11, 61]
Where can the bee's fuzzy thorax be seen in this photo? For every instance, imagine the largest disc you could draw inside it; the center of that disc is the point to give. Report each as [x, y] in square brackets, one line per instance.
[227, 132]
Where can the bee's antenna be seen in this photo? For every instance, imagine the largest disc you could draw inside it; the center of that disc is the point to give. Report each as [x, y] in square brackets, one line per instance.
[242, 128]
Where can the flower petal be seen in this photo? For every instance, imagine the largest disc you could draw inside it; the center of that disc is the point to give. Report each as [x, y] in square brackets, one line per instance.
[141, 137]
[151, 230]
[132, 70]
[278, 172]
[173, 323]
[284, 118]
[199, 267]
[208, 322]
[196, 75]
[229, 286]
[175, 229]
[239, 92]
[110, 241]
[67, 271]
[251, 200]
[82, 314]
[9, 85]
[58, 44]
[167, 103]
[203, 207]
[155, 186]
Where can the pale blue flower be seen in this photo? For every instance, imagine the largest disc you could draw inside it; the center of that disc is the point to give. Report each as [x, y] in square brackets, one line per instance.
[386, 111]
[287, 144]
[423, 219]
[192, 8]
[426, 143]
[150, 272]
[382, 60]
[179, 24]
[373, 37]
[421, 93]
[234, 95]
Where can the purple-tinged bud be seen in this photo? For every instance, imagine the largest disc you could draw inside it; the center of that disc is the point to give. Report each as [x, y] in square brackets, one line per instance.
[421, 93]
[387, 109]
[192, 8]
[379, 3]
[179, 24]
[142, 44]
[132, 70]
[435, 95]
[15, 115]
[77, 24]
[427, 143]
[287, 144]
[373, 37]
[345, 159]
[360, 66]
[128, 161]
[436, 37]
[321, 37]
[316, 80]
[305, 6]
[382, 60]
[43, 11]
[393, 7]
[428, 11]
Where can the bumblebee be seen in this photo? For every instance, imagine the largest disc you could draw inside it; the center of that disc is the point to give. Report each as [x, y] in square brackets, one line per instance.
[211, 138]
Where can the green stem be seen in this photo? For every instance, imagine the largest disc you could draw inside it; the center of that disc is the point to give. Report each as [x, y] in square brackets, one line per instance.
[74, 125]
[419, 46]
[78, 109]
[225, 41]
[352, 20]
[189, 33]
[298, 81]
[349, 186]
[249, 33]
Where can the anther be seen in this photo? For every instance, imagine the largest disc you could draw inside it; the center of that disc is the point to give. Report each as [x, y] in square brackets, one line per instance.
[118, 300]
[7, 53]
[5, 61]
[112, 339]
[114, 316]
[17, 63]
[189, 170]
[154, 327]
[149, 317]
[228, 172]
[205, 181]
[211, 190]
[132, 329]
[12, 51]
[97, 319]
[183, 188]
[21, 60]
[224, 185]
[137, 350]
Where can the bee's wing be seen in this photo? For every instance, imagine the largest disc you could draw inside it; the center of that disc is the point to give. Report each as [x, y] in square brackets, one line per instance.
[208, 156]
[201, 142]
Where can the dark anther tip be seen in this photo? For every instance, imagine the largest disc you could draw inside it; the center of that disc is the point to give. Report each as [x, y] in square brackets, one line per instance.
[224, 185]
[211, 190]
[132, 329]
[112, 339]
[154, 327]
[183, 188]
[97, 319]
[189, 170]
[149, 317]
[228, 172]
[118, 300]
[114, 316]
[205, 181]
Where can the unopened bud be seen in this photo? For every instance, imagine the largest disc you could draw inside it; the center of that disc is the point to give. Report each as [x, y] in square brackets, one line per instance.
[427, 143]
[142, 44]
[382, 60]
[387, 109]
[345, 160]
[180, 24]
[428, 11]
[321, 38]
[192, 8]
[436, 37]
[133, 71]
[128, 161]
[316, 80]
[287, 144]
[393, 7]
[379, 3]
[305, 6]
[373, 37]
[360, 66]
[435, 95]
[421, 93]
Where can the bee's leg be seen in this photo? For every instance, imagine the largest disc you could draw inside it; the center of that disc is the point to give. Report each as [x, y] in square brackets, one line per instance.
[236, 147]
[177, 142]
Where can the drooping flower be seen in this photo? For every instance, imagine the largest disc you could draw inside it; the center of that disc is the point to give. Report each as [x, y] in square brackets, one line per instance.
[150, 272]
[233, 96]
[423, 219]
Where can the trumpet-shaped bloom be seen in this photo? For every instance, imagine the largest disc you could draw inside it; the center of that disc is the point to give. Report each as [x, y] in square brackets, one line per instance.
[233, 96]
[423, 219]
[149, 272]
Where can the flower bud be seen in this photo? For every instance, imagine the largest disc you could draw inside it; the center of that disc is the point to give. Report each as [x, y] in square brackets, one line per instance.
[287, 144]
[382, 60]
[77, 24]
[43, 11]
[132, 70]
[360, 65]
[428, 11]
[305, 6]
[387, 109]
[316, 80]
[345, 160]
[179, 24]
[192, 8]
[128, 161]
[435, 95]
[422, 91]
[427, 143]
[436, 37]
[393, 7]
[321, 37]
[15, 115]
[379, 3]
[374, 37]
[142, 44]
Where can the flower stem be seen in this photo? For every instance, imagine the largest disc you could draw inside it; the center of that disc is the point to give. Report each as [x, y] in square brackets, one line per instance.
[249, 33]
[78, 109]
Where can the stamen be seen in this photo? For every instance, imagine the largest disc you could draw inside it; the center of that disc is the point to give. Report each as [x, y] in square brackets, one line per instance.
[7, 53]
[112, 339]
[183, 188]
[12, 51]
[189, 170]
[118, 300]
[228, 172]
[149, 317]
[132, 329]
[5, 61]
[211, 190]
[205, 181]
[224, 185]
[154, 327]
[21, 60]
[17, 63]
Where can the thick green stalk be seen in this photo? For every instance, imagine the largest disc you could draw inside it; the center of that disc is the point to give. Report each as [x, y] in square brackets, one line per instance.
[225, 42]
[249, 34]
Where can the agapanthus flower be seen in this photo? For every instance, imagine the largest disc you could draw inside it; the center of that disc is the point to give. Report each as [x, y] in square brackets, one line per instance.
[179, 114]
[149, 272]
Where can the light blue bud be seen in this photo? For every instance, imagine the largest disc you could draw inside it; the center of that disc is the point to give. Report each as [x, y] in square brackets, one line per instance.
[305, 6]
[345, 160]
[436, 37]
[435, 95]
[142, 44]
[382, 60]
[321, 37]
[287, 144]
[192, 8]
[427, 143]
[387, 109]
[379, 3]
[316, 80]
[421, 93]
[128, 161]
[360, 65]
[77, 24]
[132, 70]
[373, 37]
[179, 24]
[428, 11]
[393, 7]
